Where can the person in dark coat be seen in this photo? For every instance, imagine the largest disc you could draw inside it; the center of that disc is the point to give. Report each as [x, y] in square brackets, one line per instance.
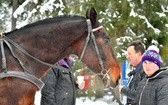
[59, 88]
[135, 51]
[152, 90]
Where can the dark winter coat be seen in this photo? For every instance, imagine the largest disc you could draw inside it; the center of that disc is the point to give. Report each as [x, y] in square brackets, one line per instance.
[153, 90]
[138, 74]
[59, 88]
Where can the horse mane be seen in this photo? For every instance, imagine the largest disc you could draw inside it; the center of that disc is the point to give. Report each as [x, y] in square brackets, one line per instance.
[49, 21]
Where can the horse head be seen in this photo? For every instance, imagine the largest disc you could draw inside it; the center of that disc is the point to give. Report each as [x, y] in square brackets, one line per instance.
[96, 51]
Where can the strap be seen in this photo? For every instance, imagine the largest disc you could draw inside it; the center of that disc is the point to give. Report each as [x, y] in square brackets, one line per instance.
[97, 51]
[25, 76]
[91, 36]
[25, 52]
[87, 39]
[3, 57]
[11, 50]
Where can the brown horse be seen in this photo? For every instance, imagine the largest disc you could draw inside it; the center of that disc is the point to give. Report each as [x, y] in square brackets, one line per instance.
[29, 52]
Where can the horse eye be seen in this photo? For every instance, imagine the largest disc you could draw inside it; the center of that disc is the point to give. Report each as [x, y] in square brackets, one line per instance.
[106, 41]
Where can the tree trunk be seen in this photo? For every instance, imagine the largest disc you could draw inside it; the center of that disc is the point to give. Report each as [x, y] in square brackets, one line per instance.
[14, 7]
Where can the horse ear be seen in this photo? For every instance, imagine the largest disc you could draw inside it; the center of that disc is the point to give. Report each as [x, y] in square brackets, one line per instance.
[92, 15]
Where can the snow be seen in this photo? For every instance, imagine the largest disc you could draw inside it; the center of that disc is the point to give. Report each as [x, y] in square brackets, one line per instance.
[157, 31]
[106, 100]
[20, 9]
[37, 98]
[166, 25]
[161, 14]
[50, 5]
[45, 6]
[149, 25]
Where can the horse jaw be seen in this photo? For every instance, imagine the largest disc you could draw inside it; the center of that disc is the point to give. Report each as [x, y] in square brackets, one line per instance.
[114, 74]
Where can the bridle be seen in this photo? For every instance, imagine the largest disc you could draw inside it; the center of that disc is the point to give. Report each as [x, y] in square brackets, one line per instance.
[103, 72]
[91, 36]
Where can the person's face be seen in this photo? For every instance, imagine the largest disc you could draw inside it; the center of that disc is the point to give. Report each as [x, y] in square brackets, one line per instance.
[132, 56]
[149, 67]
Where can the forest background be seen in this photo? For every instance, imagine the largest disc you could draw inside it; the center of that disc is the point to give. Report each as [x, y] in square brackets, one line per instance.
[124, 20]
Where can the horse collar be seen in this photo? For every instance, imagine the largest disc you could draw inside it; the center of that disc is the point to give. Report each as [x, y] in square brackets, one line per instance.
[23, 75]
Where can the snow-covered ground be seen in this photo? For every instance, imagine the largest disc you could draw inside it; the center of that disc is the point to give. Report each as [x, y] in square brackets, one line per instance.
[106, 100]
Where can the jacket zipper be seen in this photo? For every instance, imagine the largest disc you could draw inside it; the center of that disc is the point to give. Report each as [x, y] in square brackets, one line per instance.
[145, 86]
[142, 92]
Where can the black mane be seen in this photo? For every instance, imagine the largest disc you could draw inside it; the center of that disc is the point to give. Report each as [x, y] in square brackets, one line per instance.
[54, 20]
[49, 21]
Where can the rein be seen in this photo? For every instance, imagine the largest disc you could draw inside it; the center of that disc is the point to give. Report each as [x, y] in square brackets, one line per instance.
[91, 36]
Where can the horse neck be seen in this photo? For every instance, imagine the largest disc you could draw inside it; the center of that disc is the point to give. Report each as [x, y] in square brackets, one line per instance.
[46, 47]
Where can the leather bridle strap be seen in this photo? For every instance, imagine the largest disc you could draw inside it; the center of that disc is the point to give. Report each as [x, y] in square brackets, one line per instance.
[91, 35]
[4, 68]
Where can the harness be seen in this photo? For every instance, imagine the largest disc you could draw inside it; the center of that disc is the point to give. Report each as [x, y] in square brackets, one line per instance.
[31, 78]
[19, 74]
